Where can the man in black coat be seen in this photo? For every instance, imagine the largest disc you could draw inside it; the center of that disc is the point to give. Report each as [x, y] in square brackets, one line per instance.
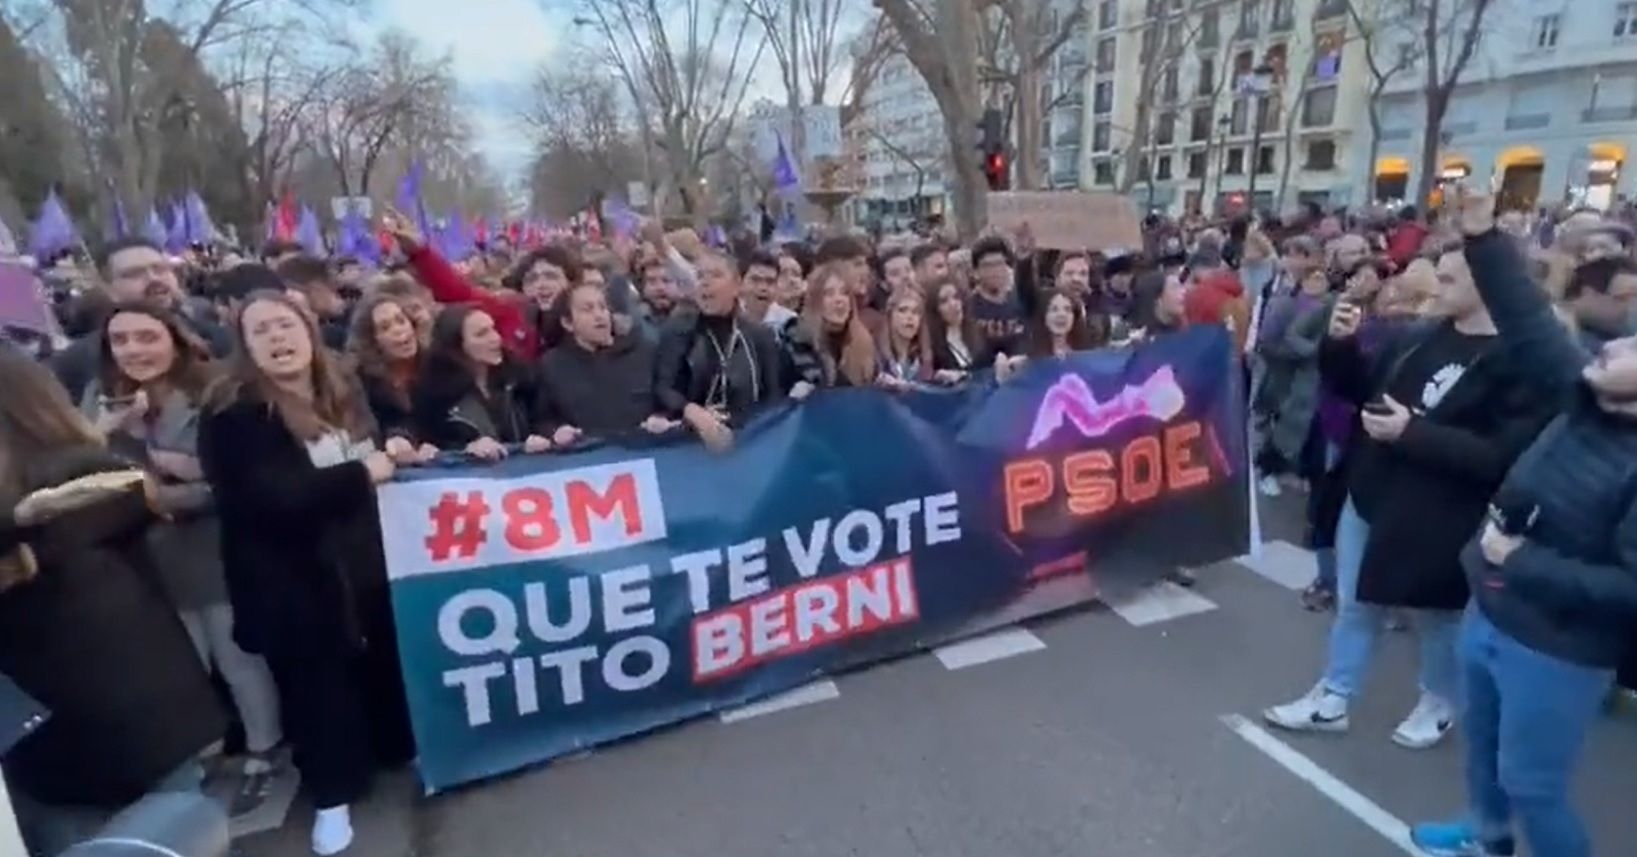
[1444, 415]
[1553, 572]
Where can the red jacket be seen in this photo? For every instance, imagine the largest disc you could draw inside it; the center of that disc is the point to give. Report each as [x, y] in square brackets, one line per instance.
[1405, 242]
[449, 287]
[1218, 297]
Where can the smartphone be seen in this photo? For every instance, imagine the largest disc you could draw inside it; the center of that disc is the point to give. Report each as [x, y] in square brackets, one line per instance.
[1377, 407]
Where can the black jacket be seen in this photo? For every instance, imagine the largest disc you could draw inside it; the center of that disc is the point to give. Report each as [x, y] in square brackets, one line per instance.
[1430, 488]
[93, 638]
[301, 544]
[604, 393]
[1571, 590]
[686, 366]
[394, 415]
[450, 412]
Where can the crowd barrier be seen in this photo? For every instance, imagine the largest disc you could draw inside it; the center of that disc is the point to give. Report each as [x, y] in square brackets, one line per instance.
[549, 603]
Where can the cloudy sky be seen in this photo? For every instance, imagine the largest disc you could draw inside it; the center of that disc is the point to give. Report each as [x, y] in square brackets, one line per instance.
[496, 45]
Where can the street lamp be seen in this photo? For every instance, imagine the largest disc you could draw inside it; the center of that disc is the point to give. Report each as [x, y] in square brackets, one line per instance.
[1256, 84]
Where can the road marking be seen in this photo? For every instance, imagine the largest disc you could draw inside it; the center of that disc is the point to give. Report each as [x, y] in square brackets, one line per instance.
[1325, 783]
[1161, 602]
[1005, 643]
[1283, 563]
[808, 694]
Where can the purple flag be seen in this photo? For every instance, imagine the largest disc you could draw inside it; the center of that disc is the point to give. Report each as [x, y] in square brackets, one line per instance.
[53, 232]
[176, 237]
[23, 303]
[154, 229]
[354, 239]
[308, 234]
[200, 229]
[785, 176]
[621, 218]
[409, 198]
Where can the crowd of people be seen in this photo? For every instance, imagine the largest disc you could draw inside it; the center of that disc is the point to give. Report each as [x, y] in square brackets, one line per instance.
[191, 471]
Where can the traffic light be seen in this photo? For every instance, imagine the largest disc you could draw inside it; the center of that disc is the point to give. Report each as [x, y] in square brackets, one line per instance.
[996, 170]
[992, 150]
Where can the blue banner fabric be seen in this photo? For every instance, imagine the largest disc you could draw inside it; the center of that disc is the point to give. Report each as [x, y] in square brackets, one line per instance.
[548, 603]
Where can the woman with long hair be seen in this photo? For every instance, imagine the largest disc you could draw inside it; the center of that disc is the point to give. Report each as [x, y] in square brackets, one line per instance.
[829, 344]
[473, 394]
[83, 627]
[905, 348]
[958, 347]
[145, 401]
[1058, 328]
[386, 349]
[288, 446]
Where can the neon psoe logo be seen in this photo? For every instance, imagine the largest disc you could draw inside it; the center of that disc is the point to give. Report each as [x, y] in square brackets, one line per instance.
[1069, 399]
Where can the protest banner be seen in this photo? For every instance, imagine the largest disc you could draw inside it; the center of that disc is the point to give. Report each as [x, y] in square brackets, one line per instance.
[1068, 220]
[549, 603]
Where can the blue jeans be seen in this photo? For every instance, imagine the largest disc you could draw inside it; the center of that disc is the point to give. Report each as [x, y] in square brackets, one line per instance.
[1526, 718]
[1325, 557]
[1353, 635]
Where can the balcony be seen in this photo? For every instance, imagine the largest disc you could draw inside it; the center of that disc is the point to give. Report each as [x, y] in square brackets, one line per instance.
[1330, 9]
[1528, 121]
[1459, 129]
[1248, 31]
[1389, 135]
[1610, 114]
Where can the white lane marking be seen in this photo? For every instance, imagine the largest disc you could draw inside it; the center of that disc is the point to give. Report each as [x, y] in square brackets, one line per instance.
[1161, 602]
[1005, 643]
[1283, 563]
[1325, 783]
[808, 694]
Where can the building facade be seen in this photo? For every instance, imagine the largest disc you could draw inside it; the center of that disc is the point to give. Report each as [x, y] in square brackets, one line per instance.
[1546, 111]
[901, 157]
[1219, 105]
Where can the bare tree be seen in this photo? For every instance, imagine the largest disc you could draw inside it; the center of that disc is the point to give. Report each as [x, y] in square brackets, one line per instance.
[919, 158]
[117, 89]
[940, 40]
[398, 95]
[584, 139]
[1166, 39]
[1450, 30]
[871, 50]
[1018, 38]
[802, 36]
[1373, 29]
[687, 65]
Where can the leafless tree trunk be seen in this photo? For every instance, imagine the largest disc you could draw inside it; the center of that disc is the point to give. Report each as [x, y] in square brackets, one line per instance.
[1449, 36]
[940, 40]
[1381, 73]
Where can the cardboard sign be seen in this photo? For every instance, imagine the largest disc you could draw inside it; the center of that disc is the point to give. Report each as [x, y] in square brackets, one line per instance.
[1068, 220]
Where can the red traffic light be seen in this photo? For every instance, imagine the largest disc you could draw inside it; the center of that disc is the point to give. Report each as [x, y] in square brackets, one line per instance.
[995, 170]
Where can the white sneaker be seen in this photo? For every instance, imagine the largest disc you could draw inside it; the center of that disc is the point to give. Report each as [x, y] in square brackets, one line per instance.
[1269, 486]
[1427, 724]
[1319, 711]
[332, 830]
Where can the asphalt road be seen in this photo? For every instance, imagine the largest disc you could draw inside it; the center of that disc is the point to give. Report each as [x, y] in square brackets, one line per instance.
[1105, 732]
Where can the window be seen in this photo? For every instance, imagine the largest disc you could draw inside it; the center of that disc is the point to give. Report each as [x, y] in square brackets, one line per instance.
[1236, 162]
[1100, 136]
[1102, 172]
[1546, 31]
[1283, 16]
[1407, 52]
[1165, 133]
[1236, 121]
[1196, 165]
[1199, 124]
[1168, 87]
[1163, 169]
[1319, 107]
[1207, 76]
[1173, 36]
[1625, 21]
[1143, 168]
[1106, 52]
[1250, 14]
[1209, 24]
[1108, 14]
[1150, 37]
[1321, 155]
[1264, 160]
[1102, 97]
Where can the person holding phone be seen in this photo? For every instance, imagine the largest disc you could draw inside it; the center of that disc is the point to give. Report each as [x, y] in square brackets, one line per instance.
[1444, 414]
[1553, 574]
